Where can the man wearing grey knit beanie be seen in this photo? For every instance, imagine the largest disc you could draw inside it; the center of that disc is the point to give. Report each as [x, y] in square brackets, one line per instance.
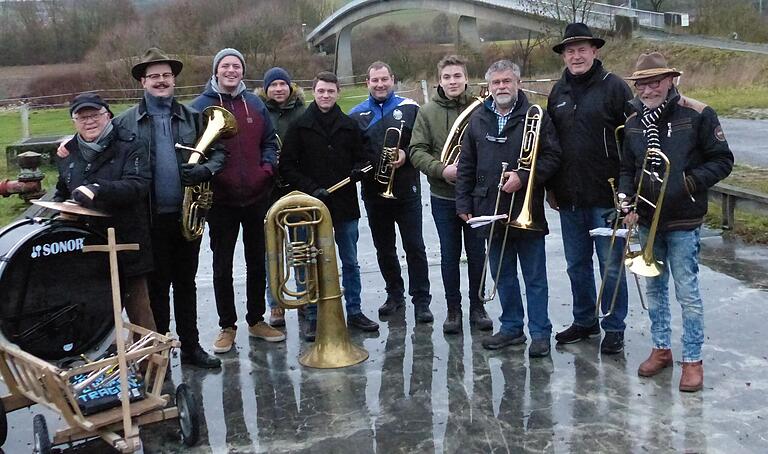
[240, 198]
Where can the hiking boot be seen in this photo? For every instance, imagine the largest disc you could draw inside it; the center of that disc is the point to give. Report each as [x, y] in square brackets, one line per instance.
[659, 360]
[263, 331]
[692, 379]
[277, 316]
[503, 339]
[613, 343]
[391, 306]
[539, 348]
[198, 357]
[361, 322]
[453, 322]
[422, 314]
[576, 333]
[310, 330]
[478, 318]
[224, 340]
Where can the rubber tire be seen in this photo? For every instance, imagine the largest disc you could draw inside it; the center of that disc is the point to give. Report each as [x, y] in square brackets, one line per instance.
[3, 423]
[42, 440]
[189, 415]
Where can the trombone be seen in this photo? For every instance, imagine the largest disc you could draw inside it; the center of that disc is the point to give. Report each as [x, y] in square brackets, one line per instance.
[385, 171]
[529, 152]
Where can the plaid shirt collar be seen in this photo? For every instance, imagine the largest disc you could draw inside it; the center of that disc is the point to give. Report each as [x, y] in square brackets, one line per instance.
[501, 119]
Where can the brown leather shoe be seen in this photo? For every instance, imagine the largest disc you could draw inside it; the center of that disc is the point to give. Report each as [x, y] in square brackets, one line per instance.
[692, 379]
[659, 360]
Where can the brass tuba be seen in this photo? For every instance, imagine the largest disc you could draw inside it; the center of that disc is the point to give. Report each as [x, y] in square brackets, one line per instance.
[385, 171]
[452, 147]
[299, 237]
[198, 198]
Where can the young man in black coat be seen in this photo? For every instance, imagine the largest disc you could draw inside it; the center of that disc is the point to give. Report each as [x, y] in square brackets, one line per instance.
[106, 168]
[321, 148]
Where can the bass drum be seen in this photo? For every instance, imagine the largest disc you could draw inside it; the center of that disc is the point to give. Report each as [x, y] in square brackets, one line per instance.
[55, 300]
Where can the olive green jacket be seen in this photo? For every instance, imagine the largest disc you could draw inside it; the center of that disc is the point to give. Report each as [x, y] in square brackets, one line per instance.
[430, 132]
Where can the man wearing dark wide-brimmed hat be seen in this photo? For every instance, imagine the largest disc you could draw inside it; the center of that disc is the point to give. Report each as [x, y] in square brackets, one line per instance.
[586, 105]
[161, 121]
[689, 134]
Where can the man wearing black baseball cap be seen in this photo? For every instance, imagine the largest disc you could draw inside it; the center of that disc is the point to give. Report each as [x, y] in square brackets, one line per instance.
[586, 105]
[106, 168]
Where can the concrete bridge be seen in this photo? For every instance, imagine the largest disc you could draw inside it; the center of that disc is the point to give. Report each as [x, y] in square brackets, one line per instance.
[535, 15]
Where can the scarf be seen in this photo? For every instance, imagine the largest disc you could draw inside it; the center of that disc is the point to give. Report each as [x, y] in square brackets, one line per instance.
[649, 122]
[91, 150]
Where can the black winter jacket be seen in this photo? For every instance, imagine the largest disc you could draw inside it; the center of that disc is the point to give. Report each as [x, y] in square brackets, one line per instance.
[483, 150]
[187, 125]
[585, 130]
[693, 140]
[122, 173]
[314, 158]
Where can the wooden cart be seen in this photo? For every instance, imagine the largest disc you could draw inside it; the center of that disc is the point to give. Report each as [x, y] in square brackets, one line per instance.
[31, 380]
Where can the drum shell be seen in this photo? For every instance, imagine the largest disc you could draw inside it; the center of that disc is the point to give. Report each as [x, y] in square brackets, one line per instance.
[55, 300]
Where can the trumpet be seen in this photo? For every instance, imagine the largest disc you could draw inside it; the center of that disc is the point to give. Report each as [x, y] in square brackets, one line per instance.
[385, 171]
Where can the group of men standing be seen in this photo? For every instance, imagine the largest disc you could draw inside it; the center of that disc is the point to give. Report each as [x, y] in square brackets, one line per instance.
[577, 162]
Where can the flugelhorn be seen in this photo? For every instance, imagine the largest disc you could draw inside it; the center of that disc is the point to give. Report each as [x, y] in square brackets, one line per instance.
[198, 198]
[385, 171]
[299, 237]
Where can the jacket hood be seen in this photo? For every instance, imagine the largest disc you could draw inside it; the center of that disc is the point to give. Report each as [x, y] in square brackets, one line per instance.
[443, 100]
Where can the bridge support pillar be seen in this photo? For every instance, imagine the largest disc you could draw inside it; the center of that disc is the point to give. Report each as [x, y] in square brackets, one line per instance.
[344, 55]
[468, 34]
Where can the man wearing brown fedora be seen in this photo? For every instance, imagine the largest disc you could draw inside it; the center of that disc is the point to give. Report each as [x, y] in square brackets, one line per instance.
[586, 105]
[689, 134]
[161, 121]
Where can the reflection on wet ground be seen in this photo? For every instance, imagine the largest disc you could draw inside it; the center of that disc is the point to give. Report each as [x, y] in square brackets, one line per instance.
[421, 391]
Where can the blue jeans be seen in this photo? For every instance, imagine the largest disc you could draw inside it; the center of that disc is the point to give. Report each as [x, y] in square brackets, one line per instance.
[679, 251]
[345, 234]
[450, 228]
[579, 248]
[383, 215]
[533, 263]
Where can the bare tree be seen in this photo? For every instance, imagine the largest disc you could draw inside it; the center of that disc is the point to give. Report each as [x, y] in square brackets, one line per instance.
[564, 11]
[656, 5]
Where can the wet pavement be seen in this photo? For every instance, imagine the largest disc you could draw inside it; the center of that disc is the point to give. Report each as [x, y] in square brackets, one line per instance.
[422, 391]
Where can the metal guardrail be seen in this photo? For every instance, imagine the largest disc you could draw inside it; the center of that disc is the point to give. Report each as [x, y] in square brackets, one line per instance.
[730, 196]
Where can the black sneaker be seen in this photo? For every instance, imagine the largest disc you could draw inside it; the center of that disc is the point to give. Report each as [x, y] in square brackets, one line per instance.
[391, 306]
[452, 324]
[422, 314]
[576, 333]
[502, 339]
[539, 348]
[361, 322]
[199, 358]
[613, 343]
[478, 318]
[310, 330]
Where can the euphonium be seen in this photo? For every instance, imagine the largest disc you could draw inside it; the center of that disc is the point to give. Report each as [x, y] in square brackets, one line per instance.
[452, 147]
[298, 232]
[198, 198]
[385, 171]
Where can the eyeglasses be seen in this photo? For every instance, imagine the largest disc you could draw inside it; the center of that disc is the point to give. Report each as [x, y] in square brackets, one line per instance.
[83, 119]
[155, 77]
[654, 84]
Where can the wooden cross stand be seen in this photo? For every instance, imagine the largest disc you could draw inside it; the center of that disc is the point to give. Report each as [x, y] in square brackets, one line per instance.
[131, 433]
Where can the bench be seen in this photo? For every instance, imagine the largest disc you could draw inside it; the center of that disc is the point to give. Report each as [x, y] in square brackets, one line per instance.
[729, 195]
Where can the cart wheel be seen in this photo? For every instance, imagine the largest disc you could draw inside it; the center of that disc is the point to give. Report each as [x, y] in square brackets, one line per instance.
[189, 416]
[3, 423]
[42, 443]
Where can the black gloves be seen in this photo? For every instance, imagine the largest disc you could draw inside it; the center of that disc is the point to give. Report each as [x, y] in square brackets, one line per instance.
[322, 194]
[192, 174]
[356, 175]
[85, 194]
